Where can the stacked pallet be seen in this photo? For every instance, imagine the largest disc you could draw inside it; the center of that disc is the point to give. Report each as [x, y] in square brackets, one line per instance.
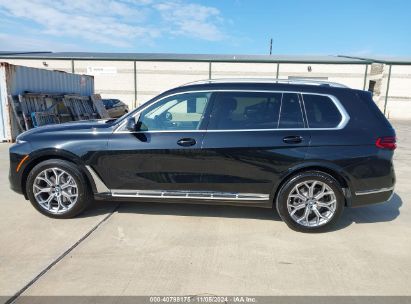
[31, 110]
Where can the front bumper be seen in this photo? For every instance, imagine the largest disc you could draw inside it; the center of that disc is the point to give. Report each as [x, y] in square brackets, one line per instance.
[14, 175]
[17, 168]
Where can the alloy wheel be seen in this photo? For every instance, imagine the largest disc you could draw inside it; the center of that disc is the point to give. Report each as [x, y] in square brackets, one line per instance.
[55, 190]
[311, 203]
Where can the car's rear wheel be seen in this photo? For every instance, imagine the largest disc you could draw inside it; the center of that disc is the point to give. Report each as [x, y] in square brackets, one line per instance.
[310, 201]
[58, 189]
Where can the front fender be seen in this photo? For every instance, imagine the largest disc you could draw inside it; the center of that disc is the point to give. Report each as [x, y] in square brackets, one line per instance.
[38, 156]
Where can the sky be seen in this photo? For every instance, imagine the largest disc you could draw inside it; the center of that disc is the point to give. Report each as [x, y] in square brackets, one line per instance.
[304, 27]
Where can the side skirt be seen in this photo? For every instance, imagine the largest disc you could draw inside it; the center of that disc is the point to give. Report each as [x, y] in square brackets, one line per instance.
[179, 196]
[200, 195]
[186, 199]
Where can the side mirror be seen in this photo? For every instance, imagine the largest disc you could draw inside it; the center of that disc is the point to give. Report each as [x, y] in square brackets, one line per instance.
[131, 124]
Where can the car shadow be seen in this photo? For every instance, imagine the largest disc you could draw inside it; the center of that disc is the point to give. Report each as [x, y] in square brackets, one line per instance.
[200, 210]
[384, 212]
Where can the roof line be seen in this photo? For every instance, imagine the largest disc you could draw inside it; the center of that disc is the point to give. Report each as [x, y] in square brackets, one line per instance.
[376, 60]
[185, 58]
[169, 57]
[300, 81]
[6, 53]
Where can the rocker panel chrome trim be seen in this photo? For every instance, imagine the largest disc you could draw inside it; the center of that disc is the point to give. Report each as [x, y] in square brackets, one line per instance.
[205, 195]
[365, 192]
[100, 186]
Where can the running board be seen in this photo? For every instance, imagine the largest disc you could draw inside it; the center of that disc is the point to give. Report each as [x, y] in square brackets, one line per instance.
[205, 195]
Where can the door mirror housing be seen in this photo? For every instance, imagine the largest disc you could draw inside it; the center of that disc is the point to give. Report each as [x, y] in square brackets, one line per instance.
[131, 124]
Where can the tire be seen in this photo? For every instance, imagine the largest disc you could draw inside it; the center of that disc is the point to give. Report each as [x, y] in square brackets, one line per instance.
[294, 202]
[71, 196]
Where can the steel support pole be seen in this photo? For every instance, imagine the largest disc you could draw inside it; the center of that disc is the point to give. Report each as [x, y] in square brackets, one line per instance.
[135, 85]
[388, 89]
[278, 70]
[365, 76]
[72, 66]
[209, 70]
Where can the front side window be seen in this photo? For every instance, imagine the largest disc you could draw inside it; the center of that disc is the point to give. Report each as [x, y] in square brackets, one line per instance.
[245, 110]
[321, 111]
[179, 112]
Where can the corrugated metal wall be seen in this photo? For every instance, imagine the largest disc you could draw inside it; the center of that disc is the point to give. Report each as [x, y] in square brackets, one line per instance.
[21, 79]
[3, 103]
[16, 80]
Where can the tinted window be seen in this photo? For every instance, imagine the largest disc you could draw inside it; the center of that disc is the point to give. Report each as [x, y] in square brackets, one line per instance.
[245, 110]
[291, 115]
[321, 111]
[181, 112]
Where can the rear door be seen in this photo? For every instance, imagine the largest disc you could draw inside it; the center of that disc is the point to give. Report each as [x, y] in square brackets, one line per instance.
[252, 139]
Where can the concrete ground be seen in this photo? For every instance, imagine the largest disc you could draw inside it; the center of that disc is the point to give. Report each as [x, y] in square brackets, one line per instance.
[167, 249]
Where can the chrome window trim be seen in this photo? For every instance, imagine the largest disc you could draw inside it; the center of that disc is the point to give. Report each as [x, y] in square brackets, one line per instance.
[304, 110]
[374, 191]
[281, 108]
[279, 111]
[204, 195]
[344, 120]
[340, 108]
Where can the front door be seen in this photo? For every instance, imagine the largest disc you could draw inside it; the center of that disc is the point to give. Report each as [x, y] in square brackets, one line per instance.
[253, 138]
[165, 153]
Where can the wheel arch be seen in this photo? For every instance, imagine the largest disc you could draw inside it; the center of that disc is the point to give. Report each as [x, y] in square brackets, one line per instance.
[334, 171]
[44, 155]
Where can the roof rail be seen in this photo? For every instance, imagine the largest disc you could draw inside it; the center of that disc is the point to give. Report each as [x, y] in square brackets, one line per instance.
[303, 81]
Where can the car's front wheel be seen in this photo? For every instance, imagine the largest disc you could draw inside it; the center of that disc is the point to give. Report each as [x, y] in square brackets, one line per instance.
[58, 189]
[310, 201]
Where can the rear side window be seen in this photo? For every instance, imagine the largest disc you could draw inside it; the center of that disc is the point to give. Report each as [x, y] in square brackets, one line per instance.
[291, 116]
[321, 111]
[245, 110]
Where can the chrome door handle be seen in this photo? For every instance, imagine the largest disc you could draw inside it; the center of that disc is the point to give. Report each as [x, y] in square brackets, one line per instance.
[186, 142]
[293, 139]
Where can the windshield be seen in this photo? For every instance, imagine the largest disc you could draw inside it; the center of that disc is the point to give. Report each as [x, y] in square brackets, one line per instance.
[131, 113]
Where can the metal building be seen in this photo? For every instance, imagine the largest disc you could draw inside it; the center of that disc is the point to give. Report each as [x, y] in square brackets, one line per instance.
[137, 77]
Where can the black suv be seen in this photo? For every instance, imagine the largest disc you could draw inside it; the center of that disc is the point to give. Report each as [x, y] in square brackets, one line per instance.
[308, 148]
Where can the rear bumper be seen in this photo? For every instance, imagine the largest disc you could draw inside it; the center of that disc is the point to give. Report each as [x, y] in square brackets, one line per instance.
[373, 181]
[375, 196]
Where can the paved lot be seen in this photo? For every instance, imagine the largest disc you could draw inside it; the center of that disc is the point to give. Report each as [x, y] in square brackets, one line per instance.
[163, 249]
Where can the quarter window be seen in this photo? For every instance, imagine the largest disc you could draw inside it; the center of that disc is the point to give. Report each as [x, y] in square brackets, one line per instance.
[180, 112]
[245, 110]
[321, 111]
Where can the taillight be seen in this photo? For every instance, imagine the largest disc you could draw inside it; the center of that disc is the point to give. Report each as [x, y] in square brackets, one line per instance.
[386, 142]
